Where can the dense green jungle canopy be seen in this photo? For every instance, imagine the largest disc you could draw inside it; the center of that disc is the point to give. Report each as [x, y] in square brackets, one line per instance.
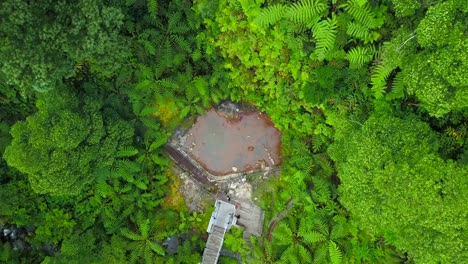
[371, 97]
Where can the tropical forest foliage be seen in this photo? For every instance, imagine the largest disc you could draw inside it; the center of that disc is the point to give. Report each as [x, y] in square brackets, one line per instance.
[371, 97]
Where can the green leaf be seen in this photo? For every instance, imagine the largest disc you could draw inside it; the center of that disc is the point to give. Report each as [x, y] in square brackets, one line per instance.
[157, 249]
[127, 152]
[336, 255]
[131, 235]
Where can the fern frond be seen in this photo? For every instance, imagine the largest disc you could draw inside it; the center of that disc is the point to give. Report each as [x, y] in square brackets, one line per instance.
[325, 35]
[145, 228]
[359, 56]
[128, 165]
[339, 230]
[131, 235]
[379, 78]
[157, 143]
[336, 255]
[290, 255]
[182, 43]
[306, 12]
[320, 225]
[313, 237]
[157, 249]
[270, 15]
[321, 253]
[127, 152]
[321, 191]
[147, 110]
[202, 85]
[304, 255]
[152, 6]
[168, 84]
[318, 142]
[357, 30]
[167, 53]
[191, 92]
[283, 234]
[398, 88]
[363, 14]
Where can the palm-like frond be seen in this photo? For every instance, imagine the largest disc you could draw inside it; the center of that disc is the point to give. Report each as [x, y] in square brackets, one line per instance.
[270, 15]
[131, 235]
[325, 35]
[152, 6]
[358, 56]
[336, 256]
[306, 12]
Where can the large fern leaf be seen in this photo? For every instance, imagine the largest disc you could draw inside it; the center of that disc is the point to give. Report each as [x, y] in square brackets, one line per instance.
[379, 79]
[358, 56]
[157, 249]
[306, 12]
[313, 237]
[127, 152]
[282, 234]
[336, 256]
[364, 14]
[152, 6]
[131, 235]
[325, 35]
[270, 15]
[398, 87]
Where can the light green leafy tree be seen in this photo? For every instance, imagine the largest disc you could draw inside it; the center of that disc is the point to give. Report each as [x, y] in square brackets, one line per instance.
[62, 145]
[394, 184]
[438, 75]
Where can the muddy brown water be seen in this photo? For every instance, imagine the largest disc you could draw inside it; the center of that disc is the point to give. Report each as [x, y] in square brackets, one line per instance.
[225, 144]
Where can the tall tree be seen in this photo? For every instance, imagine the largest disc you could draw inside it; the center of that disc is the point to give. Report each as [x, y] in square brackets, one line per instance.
[67, 140]
[394, 184]
[48, 41]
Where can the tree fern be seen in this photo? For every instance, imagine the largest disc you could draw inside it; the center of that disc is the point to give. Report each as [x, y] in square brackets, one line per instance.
[270, 15]
[306, 12]
[325, 35]
[358, 56]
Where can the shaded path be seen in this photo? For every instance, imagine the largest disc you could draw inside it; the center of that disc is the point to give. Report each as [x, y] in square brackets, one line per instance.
[278, 217]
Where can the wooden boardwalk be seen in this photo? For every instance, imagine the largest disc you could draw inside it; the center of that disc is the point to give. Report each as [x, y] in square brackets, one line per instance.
[213, 245]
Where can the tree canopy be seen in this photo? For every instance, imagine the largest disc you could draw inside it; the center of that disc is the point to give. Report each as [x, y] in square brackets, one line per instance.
[370, 98]
[395, 184]
[62, 145]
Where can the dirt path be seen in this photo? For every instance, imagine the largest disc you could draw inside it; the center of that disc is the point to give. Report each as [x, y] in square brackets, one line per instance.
[278, 217]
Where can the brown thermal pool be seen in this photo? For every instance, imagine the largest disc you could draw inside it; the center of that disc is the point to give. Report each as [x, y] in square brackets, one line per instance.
[237, 143]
